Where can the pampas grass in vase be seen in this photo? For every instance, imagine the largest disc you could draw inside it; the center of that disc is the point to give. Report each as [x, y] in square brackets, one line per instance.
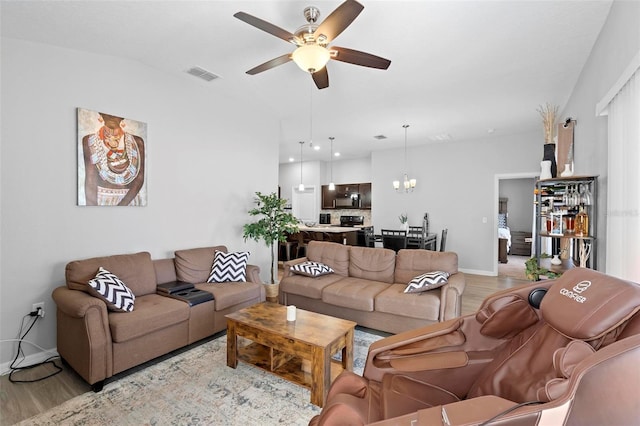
[549, 114]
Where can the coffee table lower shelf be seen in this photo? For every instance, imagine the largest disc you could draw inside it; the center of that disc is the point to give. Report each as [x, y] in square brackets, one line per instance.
[290, 367]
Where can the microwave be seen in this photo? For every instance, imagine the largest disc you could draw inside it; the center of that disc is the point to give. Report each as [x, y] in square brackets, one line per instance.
[351, 201]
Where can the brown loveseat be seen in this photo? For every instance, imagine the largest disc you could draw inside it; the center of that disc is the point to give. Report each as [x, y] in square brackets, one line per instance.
[98, 343]
[368, 286]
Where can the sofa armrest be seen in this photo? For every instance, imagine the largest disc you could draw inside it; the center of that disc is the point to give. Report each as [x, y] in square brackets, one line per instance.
[451, 297]
[76, 303]
[83, 334]
[253, 274]
[286, 268]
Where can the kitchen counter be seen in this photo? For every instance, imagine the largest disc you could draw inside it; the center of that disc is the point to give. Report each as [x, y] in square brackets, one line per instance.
[329, 228]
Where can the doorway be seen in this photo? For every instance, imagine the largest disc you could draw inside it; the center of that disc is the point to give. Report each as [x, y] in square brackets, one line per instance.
[514, 194]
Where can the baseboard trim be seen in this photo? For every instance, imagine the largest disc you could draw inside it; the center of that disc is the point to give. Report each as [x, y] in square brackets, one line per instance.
[31, 359]
[478, 272]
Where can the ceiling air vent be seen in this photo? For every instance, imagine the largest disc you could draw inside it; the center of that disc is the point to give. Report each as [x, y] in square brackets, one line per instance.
[379, 137]
[202, 73]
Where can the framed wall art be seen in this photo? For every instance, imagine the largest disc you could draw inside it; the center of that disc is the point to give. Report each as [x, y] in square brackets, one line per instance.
[111, 160]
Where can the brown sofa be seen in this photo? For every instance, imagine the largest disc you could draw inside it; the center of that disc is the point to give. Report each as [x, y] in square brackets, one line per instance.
[98, 343]
[368, 286]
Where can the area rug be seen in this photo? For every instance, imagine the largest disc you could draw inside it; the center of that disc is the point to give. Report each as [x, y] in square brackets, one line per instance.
[196, 388]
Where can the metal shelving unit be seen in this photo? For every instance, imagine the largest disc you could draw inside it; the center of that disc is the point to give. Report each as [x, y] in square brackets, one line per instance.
[559, 200]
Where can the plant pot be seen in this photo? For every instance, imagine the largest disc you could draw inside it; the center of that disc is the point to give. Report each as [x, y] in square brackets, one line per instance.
[272, 291]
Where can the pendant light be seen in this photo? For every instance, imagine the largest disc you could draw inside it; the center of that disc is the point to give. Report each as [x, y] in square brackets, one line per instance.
[301, 186]
[332, 186]
[408, 184]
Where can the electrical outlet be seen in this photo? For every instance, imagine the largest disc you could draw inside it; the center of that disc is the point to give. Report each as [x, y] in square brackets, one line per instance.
[36, 306]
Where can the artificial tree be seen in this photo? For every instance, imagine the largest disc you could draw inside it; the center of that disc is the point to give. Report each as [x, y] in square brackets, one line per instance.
[273, 226]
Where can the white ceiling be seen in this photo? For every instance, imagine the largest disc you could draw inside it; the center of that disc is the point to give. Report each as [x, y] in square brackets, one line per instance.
[458, 68]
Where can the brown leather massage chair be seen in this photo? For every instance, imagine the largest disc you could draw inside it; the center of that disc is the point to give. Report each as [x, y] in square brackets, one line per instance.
[557, 352]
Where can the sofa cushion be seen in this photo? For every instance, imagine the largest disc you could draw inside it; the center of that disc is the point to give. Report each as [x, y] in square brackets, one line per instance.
[311, 269]
[333, 254]
[353, 293]
[427, 281]
[134, 269]
[393, 300]
[230, 294]
[308, 286]
[194, 265]
[413, 262]
[376, 264]
[229, 267]
[153, 312]
[112, 290]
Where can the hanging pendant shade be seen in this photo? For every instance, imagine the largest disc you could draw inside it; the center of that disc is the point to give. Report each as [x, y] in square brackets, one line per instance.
[301, 186]
[332, 186]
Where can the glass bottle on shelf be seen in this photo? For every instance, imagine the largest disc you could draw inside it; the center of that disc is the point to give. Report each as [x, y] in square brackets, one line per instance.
[581, 227]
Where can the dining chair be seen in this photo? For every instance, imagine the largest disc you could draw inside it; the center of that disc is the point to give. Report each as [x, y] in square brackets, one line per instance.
[443, 239]
[415, 237]
[394, 239]
[287, 247]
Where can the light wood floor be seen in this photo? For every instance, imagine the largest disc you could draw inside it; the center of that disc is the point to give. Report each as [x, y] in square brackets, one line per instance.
[19, 401]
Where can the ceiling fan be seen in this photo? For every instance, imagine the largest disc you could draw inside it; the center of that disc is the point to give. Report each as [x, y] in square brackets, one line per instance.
[312, 40]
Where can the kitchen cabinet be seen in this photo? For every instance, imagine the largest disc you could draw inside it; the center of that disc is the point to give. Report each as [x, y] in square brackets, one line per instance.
[328, 198]
[347, 196]
[566, 214]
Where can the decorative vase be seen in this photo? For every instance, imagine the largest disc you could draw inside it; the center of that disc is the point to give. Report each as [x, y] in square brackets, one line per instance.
[405, 226]
[556, 260]
[550, 155]
[545, 170]
[568, 170]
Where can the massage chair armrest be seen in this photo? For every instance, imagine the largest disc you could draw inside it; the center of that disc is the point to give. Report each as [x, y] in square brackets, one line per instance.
[253, 274]
[413, 344]
[286, 267]
[473, 411]
[451, 297]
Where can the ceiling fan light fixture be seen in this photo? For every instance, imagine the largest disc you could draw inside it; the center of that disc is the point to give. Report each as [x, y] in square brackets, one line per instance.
[311, 57]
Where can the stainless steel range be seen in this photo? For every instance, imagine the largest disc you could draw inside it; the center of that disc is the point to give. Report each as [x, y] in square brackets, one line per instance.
[349, 221]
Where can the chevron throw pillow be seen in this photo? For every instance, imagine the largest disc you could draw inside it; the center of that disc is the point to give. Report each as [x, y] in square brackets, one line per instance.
[427, 281]
[311, 269]
[112, 290]
[229, 267]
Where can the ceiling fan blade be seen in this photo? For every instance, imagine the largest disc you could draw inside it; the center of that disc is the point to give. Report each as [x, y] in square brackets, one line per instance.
[338, 20]
[359, 58]
[321, 78]
[266, 26]
[270, 64]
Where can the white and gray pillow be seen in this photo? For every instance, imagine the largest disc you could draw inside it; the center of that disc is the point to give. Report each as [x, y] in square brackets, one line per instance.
[427, 281]
[229, 267]
[112, 290]
[311, 269]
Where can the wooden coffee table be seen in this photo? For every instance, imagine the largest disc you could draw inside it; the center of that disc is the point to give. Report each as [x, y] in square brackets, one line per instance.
[286, 348]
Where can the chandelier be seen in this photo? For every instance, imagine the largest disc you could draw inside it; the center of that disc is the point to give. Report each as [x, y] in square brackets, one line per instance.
[408, 184]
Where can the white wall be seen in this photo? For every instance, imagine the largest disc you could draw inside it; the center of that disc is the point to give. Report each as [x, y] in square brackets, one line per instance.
[202, 173]
[520, 203]
[456, 187]
[617, 44]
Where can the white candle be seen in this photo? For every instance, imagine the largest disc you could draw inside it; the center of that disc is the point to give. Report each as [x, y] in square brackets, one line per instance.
[291, 313]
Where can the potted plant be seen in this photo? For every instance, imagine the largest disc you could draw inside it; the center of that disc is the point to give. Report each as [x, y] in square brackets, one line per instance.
[273, 226]
[404, 218]
[533, 270]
